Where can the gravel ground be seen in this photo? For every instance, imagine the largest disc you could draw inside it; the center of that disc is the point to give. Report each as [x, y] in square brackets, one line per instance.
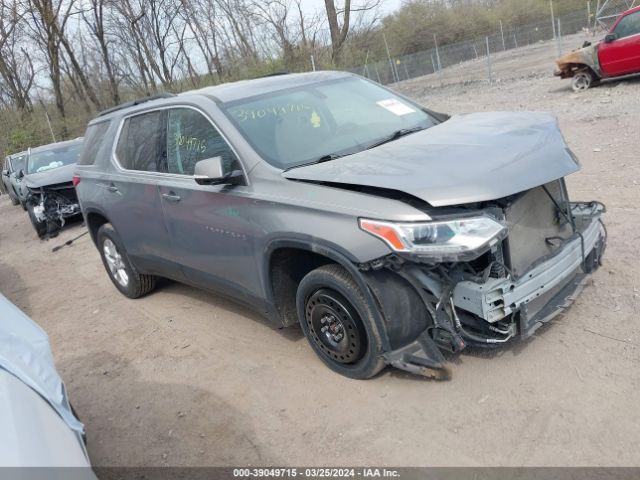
[185, 377]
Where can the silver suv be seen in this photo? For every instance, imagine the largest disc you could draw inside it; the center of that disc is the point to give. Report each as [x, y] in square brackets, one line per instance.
[390, 233]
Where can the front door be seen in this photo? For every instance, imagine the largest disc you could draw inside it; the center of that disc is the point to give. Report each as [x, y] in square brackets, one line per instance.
[131, 195]
[210, 229]
[622, 55]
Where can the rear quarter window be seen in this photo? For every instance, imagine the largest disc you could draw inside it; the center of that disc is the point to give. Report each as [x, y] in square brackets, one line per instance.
[93, 140]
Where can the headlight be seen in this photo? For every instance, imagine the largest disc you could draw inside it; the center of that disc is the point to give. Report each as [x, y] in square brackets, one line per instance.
[440, 240]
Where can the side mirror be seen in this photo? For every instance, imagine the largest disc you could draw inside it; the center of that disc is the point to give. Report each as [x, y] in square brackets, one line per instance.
[20, 174]
[5, 173]
[610, 37]
[211, 172]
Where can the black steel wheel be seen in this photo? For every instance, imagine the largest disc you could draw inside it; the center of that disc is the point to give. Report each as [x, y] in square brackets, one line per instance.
[339, 322]
[335, 326]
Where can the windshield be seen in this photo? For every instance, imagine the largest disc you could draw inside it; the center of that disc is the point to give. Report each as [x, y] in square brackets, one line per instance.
[17, 162]
[339, 117]
[53, 158]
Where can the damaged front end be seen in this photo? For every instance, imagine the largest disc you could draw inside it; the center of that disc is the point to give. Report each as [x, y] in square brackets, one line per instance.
[50, 206]
[529, 272]
[579, 60]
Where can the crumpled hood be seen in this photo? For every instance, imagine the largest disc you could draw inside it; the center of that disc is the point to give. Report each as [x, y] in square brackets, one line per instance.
[469, 158]
[50, 177]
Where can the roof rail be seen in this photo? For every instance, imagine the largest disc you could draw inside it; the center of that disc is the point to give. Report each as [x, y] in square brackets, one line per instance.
[136, 102]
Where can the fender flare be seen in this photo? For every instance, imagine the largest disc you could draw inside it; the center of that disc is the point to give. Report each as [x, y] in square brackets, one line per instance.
[336, 254]
[86, 212]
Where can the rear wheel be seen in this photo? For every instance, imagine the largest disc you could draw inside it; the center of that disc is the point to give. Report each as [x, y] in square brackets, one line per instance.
[339, 323]
[582, 80]
[14, 199]
[121, 272]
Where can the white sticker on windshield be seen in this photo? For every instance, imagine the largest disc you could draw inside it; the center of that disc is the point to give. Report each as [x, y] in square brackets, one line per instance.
[396, 107]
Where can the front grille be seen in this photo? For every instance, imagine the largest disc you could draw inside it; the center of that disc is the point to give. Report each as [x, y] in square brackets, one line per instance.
[536, 227]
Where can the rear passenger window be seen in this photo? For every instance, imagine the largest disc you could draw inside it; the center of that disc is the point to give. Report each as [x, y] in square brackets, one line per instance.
[142, 145]
[93, 140]
[190, 138]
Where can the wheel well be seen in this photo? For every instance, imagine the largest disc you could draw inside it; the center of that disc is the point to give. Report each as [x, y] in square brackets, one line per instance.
[94, 222]
[287, 266]
[581, 67]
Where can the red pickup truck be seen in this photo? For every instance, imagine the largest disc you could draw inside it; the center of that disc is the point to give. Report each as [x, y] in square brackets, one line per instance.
[617, 55]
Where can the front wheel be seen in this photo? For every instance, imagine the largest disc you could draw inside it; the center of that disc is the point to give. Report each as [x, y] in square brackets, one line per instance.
[339, 323]
[39, 226]
[121, 272]
[582, 80]
[14, 199]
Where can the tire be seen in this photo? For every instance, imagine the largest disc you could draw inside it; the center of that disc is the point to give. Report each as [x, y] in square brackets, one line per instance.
[582, 80]
[118, 266]
[38, 226]
[14, 200]
[23, 204]
[339, 323]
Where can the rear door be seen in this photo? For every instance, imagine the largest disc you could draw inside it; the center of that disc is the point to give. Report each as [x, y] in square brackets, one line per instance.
[209, 224]
[131, 197]
[622, 56]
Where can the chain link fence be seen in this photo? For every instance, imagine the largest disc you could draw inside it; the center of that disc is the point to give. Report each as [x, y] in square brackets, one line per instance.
[473, 59]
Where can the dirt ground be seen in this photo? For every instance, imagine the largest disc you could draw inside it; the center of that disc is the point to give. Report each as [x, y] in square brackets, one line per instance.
[184, 377]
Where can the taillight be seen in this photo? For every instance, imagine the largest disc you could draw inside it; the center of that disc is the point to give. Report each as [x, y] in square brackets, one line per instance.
[75, 180]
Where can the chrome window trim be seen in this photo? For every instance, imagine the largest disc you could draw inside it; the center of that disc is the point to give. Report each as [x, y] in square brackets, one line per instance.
[116, 162]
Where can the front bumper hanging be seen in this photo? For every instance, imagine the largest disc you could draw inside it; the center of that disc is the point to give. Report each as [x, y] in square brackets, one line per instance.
[519, 305]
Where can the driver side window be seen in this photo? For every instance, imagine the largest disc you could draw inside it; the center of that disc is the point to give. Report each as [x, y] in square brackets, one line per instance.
[629, 25]
[190, 138]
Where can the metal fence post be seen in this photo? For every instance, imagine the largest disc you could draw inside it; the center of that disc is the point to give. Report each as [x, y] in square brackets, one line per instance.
[559, 39]
[515, 40]
[489, 61]
[435, 40]
[553, 21]
[313, 63]
[433, 64]
[502, 35]
[393, 70]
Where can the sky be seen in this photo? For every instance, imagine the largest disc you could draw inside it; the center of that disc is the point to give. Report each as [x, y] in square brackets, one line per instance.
[386, 6]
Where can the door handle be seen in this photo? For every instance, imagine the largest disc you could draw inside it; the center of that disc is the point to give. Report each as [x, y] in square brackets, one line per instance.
[171, 197]
[112, 188]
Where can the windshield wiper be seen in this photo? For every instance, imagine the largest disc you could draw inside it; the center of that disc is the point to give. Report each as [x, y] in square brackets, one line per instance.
[325, 158]
[395, 135]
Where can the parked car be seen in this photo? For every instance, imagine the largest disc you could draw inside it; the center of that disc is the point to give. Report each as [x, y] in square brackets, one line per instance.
[616, 56]
[39, 427]
[47, 186]
[386, 230]
[12, 165]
